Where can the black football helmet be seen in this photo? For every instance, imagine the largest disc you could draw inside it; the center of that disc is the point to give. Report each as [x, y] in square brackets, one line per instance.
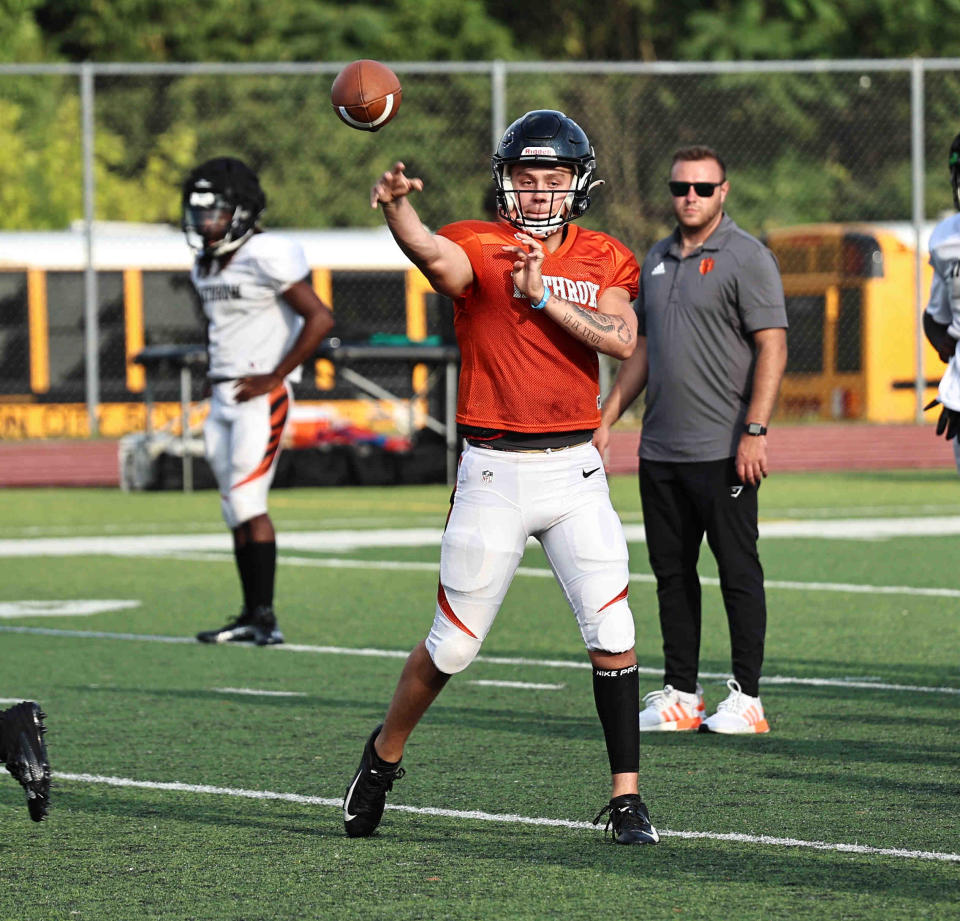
[222, 202]
[955, 171]
[548, 138]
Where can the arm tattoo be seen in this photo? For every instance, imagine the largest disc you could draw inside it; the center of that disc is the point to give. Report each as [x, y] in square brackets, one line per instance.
[593, 326]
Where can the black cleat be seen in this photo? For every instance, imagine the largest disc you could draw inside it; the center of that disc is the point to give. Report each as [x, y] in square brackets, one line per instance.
[367, 794]
[630, 820]
[258, 627]
[237, 631]
[25, 754]
[264, 623]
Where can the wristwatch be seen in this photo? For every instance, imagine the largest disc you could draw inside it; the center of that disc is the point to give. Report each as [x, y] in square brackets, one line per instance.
[754, 428]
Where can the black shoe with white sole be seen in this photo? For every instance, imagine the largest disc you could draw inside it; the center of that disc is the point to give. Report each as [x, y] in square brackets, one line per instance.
[258, 626]
[366, 796]
[630, 820]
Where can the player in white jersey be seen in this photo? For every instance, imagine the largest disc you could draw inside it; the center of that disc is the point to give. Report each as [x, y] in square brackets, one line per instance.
[941, 319]
[264, 321]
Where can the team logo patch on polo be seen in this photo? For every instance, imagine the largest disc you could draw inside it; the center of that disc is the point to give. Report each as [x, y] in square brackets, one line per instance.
[706, 265]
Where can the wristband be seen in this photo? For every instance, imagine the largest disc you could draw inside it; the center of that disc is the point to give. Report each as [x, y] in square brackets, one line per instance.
[543, 300]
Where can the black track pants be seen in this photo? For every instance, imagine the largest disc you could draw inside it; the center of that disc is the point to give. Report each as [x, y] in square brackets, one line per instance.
[681, 502]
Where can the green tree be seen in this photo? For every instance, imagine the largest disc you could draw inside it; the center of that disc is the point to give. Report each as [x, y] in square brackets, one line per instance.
[272, 30]
[23, 38]
[743, 30]
[788, 29]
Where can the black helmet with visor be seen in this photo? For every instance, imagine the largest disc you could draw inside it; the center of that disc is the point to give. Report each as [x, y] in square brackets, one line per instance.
[222, 202]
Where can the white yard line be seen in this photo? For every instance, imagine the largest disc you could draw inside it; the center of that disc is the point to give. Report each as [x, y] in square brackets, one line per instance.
[253, 692]
[490, 660]
[344, 540]
[477, 816]
[287, 559]
[523, 685]
[69, 607]
[133, 545]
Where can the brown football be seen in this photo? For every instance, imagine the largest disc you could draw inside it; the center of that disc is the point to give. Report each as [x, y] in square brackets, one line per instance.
[366, 95]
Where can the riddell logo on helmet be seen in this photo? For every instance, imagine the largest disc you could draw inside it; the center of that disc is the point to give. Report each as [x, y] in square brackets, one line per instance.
[538, 152]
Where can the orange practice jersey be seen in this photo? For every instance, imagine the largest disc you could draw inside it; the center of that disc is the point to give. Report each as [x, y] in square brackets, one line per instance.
[520, 371]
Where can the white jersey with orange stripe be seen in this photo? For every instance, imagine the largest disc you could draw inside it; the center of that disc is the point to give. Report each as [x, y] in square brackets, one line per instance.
[251, 326]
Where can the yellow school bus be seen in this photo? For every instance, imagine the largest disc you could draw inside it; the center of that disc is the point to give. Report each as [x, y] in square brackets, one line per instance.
[851, 303]
[144, 298]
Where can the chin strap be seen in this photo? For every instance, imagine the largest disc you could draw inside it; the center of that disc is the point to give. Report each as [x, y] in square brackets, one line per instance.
[222, 248]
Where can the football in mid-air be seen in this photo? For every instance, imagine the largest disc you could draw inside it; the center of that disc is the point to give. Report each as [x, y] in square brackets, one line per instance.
[366, 95]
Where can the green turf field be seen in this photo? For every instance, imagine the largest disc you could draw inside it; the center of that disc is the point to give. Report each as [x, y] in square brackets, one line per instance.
[196, 782]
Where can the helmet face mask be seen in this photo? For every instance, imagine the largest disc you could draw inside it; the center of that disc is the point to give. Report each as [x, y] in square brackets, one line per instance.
[544, 138]
[222, 201]
[519, 206]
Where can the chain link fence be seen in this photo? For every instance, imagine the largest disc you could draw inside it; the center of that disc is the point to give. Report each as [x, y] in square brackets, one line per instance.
[841, 166]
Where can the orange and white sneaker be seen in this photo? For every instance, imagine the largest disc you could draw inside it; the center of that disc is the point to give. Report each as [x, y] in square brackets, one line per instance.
[671, 710]
[739, 714]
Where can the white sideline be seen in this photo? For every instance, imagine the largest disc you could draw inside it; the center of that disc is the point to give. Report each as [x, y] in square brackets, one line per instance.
[471, 815]
[490, 660]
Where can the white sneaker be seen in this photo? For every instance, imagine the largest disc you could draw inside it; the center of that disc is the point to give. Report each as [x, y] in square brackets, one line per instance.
[671, 710]
[738, 714]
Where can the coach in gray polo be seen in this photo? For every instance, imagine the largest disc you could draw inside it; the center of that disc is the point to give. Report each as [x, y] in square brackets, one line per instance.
[711, 352]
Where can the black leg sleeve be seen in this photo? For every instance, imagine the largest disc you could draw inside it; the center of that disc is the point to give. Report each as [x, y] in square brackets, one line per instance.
[263, 564]
[245, 569]
[617, 695]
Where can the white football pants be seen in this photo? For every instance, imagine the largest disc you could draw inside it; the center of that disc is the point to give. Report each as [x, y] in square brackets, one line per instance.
[242, 445]
[559, 497]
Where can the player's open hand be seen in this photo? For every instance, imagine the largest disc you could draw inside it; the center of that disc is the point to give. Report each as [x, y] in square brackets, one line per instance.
[256, 385]
[394, 185]
[526, 268]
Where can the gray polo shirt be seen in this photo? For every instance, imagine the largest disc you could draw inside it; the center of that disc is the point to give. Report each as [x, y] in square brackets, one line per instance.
[697, 314]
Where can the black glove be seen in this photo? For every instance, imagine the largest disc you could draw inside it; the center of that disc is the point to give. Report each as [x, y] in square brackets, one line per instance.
[948, 422]
[939, 338]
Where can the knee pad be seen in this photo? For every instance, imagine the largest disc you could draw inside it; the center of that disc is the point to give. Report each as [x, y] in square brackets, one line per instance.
[450, 647]
[597, 592]
[478, 558]
[245, 502]
[609, 628]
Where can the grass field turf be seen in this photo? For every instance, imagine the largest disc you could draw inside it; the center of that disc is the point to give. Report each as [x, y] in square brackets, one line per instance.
[843, 765]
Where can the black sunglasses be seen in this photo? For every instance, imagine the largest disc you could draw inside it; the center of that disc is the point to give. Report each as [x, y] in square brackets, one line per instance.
[703, 189]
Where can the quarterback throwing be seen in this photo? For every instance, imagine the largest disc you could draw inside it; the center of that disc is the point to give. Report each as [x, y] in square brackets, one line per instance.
[535, 298]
